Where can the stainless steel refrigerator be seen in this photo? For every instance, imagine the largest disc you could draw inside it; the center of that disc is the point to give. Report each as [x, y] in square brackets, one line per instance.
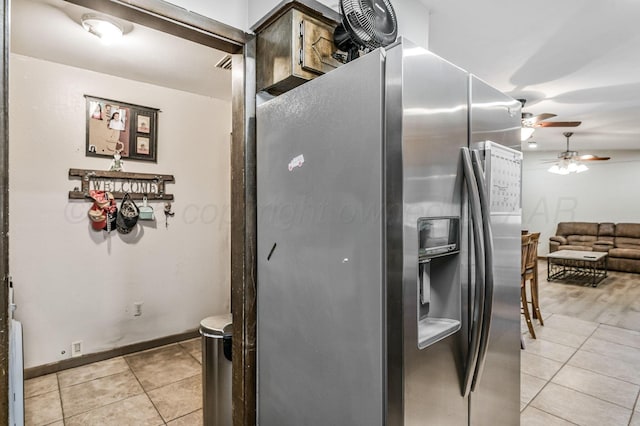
[389, 247]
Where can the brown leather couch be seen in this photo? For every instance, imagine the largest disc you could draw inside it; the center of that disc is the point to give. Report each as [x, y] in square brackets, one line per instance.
[621, 241]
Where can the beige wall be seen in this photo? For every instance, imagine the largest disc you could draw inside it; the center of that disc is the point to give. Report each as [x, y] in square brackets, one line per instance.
[72, 283]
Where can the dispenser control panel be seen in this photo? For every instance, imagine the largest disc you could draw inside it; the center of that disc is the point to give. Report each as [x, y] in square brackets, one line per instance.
[438, 236]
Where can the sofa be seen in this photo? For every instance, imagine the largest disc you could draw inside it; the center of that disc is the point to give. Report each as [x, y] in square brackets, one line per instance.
[620, 240]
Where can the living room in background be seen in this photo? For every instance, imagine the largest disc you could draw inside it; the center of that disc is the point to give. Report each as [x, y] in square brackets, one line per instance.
[604, 194]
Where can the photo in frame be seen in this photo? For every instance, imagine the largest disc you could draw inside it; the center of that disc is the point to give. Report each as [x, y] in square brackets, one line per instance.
[115, 126]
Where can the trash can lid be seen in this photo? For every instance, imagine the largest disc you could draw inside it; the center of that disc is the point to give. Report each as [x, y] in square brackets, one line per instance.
[218, 325]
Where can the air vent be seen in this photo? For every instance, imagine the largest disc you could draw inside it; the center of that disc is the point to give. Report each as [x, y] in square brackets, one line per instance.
[224, 63]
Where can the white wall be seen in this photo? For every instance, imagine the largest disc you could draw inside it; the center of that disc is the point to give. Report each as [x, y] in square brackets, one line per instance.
[72, 283]
[232, 12]
[608, 192]
[413, 16]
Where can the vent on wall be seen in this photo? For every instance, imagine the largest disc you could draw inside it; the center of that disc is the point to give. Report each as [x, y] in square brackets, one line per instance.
[224, 63]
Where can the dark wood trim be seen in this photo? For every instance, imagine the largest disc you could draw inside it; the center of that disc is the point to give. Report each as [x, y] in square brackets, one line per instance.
[4, 214]
[54, 367]
[120, 175]
[172, 19]
[243, 237]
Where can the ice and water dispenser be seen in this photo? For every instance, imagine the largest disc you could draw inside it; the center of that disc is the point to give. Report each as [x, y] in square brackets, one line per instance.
[439, 308]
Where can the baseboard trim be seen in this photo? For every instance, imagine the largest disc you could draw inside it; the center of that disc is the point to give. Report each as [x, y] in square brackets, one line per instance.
[54, 367]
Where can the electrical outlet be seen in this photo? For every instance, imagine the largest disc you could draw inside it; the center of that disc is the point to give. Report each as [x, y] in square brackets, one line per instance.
[76, 348]
[137, 309]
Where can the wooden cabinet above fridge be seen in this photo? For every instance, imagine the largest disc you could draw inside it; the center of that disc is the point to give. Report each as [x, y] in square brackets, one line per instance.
[295, 45]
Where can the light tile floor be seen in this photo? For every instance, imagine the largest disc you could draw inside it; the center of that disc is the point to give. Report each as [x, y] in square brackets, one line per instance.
[584, 367]
[161, 386]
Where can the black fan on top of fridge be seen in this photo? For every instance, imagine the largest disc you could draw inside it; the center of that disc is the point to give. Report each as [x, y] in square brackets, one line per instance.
[366, 24]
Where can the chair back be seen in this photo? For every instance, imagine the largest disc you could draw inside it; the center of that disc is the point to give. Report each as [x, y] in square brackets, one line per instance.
[526, 240]
[532, 253]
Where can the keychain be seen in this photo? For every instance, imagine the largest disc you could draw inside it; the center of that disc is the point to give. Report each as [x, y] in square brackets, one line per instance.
[167, 213]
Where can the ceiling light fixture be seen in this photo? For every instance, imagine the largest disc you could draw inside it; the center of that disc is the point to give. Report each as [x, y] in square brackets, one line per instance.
[103, 27]
[565, 166]
[526, 133]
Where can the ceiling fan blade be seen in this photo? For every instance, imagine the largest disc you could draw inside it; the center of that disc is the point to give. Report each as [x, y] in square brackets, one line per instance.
[535, 119]
[559, 124]
[589, 157]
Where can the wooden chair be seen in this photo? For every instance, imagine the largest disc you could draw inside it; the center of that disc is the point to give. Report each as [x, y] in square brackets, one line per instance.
[526, 242]
[531, 275]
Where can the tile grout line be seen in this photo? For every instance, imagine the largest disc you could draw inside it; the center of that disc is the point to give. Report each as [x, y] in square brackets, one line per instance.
[188, 414]
[145, 392]
[60, 396]
[556, 373]
[578, 391]
[105, 405]
[633, 410]
[599, 354]
[128, 369]
[95, 378]
[199, 360]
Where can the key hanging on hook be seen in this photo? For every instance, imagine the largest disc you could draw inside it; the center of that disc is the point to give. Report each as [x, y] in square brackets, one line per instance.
[167, 213]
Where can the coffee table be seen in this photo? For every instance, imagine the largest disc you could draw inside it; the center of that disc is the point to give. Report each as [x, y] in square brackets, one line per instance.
[577, 266]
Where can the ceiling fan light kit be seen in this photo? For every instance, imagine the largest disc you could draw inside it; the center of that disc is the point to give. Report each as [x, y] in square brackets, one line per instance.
[572, 162]
[564, 167]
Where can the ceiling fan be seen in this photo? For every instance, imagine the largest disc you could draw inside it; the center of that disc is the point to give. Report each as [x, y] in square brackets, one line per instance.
[530, 122]
[571, 162]
[573, 155]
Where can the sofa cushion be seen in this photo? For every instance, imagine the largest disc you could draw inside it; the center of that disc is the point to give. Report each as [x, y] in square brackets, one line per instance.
[624, 265]
[601, 245]
[584, 240]
[577, 228]
[625, 253]
[606, 230]
[628, 243]
[606, 239]
[630, 230]
[558, 239]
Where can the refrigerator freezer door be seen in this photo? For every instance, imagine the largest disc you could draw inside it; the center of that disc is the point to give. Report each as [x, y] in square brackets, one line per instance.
[426, 127]
[321, 331]
[496, 117]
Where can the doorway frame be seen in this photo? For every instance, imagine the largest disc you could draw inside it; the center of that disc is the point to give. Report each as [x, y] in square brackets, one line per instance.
[174, 20]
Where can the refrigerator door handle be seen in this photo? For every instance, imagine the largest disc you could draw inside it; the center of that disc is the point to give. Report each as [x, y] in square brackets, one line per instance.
[488, 259]
[478, 240]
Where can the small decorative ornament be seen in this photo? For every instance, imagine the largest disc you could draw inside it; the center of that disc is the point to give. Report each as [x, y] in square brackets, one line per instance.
[117, 165]
[167, 213]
